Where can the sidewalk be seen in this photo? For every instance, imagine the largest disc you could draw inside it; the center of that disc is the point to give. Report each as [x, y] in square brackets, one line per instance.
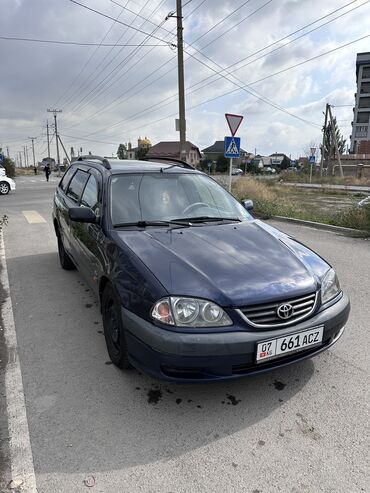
[348, 188]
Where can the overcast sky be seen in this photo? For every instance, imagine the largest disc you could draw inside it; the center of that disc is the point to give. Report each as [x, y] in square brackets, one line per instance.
[113, 94]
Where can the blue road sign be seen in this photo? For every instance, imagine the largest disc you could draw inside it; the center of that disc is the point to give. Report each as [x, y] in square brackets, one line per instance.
[1, 158]
[312, 159]
[232, 147]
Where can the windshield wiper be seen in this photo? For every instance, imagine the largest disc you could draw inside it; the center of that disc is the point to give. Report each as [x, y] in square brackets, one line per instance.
[144, 224]
[203, 219]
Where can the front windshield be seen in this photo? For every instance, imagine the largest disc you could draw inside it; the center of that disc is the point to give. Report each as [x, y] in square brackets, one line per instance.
[166, 197]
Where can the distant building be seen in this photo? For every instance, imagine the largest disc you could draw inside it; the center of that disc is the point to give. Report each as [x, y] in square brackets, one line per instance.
[218, 148]
[277, 158]
[171, 149]
[141, 144]
[361, 111]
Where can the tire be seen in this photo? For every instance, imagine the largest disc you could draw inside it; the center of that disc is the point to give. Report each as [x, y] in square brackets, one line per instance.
[114, 332]
[64, 258]
[4, 188]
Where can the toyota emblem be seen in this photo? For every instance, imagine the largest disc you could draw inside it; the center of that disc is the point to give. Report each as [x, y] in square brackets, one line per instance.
[285, 311]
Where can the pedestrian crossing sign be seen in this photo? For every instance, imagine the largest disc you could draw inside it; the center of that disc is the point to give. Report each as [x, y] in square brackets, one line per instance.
[232, 147]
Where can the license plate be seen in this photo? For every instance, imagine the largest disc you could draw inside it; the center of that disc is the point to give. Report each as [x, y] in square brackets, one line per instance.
[293, 342]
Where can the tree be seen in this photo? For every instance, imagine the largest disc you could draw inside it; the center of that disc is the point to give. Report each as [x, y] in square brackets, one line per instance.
[9, 166]
[121, 151]
[222, 164]
[142, 152]
[329, 144]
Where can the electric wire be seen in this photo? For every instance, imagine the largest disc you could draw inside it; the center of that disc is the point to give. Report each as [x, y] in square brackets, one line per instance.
[236, 63]
[119, 22]
[76, 43]
[121, 64]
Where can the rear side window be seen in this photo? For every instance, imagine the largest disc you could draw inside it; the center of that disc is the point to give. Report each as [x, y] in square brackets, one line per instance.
[66, 178]
[77, 185]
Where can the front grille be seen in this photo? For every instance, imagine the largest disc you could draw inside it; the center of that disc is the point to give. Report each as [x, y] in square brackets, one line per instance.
[265, 315]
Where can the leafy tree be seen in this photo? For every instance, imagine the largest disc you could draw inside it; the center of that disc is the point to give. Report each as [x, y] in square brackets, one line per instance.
[9, 166]
[222, 164]
[121, 151]
[285, 163]
[142, 152]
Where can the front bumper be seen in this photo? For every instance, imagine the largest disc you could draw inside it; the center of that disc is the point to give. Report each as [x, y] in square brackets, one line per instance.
[189, 358]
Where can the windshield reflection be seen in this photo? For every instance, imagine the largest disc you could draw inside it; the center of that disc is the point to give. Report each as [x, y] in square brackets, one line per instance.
[164, 197]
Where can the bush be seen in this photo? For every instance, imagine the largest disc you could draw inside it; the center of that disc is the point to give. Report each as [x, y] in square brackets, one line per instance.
[9, 167]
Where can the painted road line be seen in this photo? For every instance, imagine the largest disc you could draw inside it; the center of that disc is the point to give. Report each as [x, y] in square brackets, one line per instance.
[33, 217]
[21, 460]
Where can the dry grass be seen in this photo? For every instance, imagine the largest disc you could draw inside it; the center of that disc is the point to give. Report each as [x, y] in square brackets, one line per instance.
[270, 201]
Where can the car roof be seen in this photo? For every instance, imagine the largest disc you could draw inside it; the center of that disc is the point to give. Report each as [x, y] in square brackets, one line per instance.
[119, 166]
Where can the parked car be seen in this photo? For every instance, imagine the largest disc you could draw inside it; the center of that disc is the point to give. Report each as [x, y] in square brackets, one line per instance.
[269, 171]
[2, 170]
[191, 286]
[236, 171]
[6, 184]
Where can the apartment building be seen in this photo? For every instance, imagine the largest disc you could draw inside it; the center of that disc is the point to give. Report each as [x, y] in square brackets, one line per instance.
[361, 117]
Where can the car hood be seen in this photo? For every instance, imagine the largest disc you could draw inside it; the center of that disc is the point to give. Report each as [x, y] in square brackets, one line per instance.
[232, 264]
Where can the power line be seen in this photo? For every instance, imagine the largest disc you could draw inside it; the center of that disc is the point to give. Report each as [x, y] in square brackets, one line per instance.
[236, 63]
[207, 32]
[119, 22]
[254, 82]
[126, 59]
[77, 43]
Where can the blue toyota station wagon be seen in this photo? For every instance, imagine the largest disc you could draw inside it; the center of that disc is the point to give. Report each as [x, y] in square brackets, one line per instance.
[191, 286]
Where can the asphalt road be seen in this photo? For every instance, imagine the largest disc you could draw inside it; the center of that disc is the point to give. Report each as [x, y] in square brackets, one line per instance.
[304, 428]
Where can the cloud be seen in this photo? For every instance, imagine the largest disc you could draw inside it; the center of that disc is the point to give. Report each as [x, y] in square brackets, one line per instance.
[96, 88]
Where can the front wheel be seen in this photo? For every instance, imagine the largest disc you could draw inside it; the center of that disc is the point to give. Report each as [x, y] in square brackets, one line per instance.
[4, 188]
[113, 329]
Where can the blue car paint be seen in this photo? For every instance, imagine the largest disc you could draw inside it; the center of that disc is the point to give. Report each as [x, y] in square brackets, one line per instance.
[232, 264]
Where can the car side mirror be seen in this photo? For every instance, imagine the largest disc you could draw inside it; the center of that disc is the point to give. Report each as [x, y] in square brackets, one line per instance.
[248, 204]
[82, 215]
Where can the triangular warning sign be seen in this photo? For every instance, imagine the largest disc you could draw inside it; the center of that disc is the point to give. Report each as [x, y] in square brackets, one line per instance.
[233, 148]
[234, 122]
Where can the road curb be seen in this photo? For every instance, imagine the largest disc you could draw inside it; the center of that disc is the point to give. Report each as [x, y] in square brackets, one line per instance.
[21, 461]
[326, 227]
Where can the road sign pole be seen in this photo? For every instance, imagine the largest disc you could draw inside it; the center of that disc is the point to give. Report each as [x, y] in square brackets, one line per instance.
[230, 176]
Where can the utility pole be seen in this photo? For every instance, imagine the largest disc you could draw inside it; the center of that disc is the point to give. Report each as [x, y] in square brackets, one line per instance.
[7, 151]
[47, 136]
[33, 150]
[180, 71]
[56, 135]
[20, 158]
[24, 152]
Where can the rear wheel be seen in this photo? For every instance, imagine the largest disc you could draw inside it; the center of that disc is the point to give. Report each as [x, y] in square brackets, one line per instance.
[113, 329]
[4, 188]
[64, 258]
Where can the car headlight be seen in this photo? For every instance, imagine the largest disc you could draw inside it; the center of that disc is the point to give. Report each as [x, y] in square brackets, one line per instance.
[190, 312]
[330, 286]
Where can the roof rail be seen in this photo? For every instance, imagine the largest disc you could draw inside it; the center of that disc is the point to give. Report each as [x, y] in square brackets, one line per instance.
[170, 159]
[90, 157]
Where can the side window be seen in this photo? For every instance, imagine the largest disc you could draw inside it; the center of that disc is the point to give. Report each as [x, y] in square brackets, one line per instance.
[66, 178]
[77, 185]
[90, 195]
